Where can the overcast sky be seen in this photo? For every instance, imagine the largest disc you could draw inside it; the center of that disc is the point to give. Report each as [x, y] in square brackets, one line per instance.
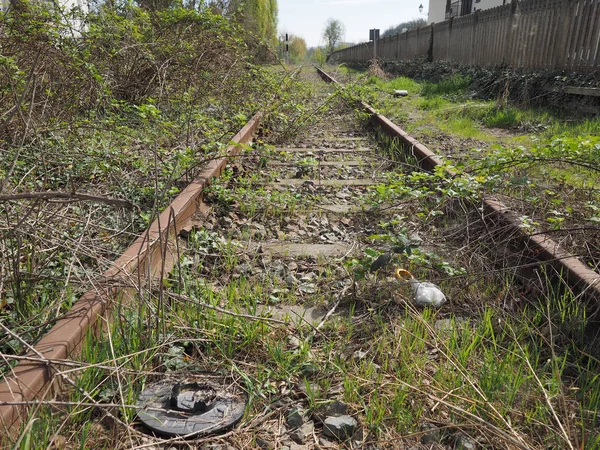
[307, 18]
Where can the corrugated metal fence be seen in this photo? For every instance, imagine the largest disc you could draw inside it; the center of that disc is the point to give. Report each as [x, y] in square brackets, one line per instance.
[533, 34]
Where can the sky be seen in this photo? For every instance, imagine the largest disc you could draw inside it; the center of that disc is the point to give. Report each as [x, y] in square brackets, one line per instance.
[307, 18]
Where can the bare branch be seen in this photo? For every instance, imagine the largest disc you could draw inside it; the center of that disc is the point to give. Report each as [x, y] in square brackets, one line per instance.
[68, 196]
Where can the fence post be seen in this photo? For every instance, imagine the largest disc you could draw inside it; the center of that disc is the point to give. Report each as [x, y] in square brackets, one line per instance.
[430, 49]
[508, 47]
[561, 46]
[473, 38]
[449, 42]
[374, 53]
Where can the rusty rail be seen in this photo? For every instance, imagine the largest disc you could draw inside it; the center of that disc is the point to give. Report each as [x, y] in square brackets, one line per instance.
[32, 378]
[575, 273]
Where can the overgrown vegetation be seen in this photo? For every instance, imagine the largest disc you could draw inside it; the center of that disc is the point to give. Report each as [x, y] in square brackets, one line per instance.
[542, 162]
[509, 362]
[100, 131]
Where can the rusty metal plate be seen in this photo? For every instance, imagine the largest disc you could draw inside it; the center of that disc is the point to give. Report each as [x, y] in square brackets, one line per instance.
[190, 407]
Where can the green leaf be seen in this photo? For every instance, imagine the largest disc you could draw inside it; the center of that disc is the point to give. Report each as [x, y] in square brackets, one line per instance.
[372, 253]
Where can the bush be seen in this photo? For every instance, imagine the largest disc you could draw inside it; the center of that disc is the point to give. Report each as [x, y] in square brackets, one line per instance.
[130, 56]
[127, 111]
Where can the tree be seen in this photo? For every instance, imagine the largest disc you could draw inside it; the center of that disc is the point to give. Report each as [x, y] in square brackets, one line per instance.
[297, 49]
[259, 20]
[156, 5]
[333, 34]
[409, 25]
[317, 55]
[258, 17]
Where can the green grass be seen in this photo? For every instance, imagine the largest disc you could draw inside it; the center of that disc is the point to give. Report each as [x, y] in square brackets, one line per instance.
[531, 156]
[433, 104]
[400, 83]
[454, 85]
[462, 126]
[573, 128]
[450, 98]
[343, 69]
[505, 118]
[491, 365]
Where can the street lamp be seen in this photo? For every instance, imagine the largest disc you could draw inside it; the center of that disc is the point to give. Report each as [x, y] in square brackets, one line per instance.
[421, 8]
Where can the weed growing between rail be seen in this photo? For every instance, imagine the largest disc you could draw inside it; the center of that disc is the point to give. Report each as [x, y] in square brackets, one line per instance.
[495, 377]
[478, 374]
[143, 151]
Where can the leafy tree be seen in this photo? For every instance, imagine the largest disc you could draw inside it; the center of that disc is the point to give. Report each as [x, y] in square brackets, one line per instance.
[258, 17]
[317, 55]
[333, 34]
[259, 20]
[155, 5]
[411, 24]
[217, 6]
[297, 49]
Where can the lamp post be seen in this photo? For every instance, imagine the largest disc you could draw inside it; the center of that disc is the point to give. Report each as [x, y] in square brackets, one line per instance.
[422, 11]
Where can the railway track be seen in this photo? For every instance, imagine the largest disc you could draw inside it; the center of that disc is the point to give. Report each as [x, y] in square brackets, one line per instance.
[277, 240]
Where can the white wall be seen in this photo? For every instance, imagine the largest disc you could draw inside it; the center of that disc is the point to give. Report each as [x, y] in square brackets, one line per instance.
[487, 4]
[77, 25]
[437, 11]
[437, 8]
[67, 5]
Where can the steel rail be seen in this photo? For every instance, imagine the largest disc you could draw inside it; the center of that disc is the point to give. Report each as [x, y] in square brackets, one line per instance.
[542, 248]
[33, 378]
